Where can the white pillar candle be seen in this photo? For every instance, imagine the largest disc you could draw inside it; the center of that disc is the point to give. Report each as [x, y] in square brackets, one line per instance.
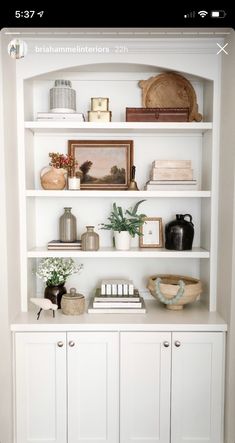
[74, 183]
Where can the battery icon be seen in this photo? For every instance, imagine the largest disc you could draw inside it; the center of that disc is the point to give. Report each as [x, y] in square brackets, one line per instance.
[218, 14]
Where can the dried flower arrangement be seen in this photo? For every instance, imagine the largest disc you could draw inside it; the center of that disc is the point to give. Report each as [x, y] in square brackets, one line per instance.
[64, 161]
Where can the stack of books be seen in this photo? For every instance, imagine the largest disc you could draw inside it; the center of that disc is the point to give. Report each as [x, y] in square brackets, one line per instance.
[116, 301]
[171, 174]
[53, 116]
[61, 246]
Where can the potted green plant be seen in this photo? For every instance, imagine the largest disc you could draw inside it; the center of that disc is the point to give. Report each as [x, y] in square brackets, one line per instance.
[54, 272]
[125, 224]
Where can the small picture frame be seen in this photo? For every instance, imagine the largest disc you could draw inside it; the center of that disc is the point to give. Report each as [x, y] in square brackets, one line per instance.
[151, 233]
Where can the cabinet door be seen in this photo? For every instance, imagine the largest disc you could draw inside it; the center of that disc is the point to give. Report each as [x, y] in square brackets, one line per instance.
[197, 387]
[93, 387]
[145, 387]
[40, 382]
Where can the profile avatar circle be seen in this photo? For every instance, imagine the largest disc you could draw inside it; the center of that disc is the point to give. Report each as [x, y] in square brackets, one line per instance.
[17, 48]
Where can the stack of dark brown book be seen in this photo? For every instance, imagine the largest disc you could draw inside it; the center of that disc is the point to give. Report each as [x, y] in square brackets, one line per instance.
[59, 245]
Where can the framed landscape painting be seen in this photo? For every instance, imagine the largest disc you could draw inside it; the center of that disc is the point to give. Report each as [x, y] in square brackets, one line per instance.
[103, 164]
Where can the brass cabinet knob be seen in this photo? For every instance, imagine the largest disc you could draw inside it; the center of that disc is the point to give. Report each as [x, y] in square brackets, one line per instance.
[177, 343]
[166, 344]
[60, 344]
[71, 343]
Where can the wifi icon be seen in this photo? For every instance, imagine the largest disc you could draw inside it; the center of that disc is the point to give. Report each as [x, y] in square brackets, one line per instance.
[202, 13]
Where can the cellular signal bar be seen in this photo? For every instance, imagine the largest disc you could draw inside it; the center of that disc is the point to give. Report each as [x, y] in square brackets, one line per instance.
[191, 14]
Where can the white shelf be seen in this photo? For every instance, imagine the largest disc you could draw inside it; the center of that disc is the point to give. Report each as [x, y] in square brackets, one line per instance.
[113, 253]
[194, 317]
[73, 127]
[121, 194]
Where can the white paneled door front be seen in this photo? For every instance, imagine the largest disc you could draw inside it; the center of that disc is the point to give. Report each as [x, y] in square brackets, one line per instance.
[145, 387]
[93, 387]
[67, 387]
[40, 379]
[197, 387]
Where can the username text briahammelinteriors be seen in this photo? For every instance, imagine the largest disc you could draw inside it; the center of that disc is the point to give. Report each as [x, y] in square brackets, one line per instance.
[77, 49]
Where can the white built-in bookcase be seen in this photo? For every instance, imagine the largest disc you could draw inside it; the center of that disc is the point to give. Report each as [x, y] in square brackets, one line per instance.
[116, 75]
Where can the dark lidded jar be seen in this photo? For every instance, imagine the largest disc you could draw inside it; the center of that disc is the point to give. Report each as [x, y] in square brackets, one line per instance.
[179, 233]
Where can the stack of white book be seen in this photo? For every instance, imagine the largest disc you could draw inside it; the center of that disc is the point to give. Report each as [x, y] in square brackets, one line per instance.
[69, 116]
[171, 174]
[116, 296]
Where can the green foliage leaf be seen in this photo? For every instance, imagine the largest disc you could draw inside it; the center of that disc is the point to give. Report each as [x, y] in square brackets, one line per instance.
[129, 221]
[135, 209]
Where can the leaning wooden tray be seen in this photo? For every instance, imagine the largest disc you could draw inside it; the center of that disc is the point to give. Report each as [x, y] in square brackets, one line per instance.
[169, 286]
[170, 90]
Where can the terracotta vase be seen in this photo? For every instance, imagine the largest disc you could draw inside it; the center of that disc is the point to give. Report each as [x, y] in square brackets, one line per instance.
[54, 293]
[53, 178]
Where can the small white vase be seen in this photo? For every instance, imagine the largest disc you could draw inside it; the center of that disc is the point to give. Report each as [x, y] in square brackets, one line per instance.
[122, 240]
[74, 183]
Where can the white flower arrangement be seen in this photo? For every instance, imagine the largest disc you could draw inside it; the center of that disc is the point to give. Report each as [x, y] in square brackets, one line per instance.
[55, 271]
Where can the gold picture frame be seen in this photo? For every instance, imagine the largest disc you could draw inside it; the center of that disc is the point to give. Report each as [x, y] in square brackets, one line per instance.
[103, 164]
[151, 233]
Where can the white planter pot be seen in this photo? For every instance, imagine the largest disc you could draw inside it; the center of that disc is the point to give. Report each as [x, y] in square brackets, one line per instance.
[122, 240]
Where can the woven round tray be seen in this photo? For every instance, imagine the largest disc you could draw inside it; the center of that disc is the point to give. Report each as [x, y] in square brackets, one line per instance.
[169, 287]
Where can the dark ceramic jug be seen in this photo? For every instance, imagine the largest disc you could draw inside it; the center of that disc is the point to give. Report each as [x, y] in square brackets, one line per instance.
[179, 233]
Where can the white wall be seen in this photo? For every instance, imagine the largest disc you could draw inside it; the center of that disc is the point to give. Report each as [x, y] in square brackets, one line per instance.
[226, 256]
[11, 177]
[9, 264]
[5, 371]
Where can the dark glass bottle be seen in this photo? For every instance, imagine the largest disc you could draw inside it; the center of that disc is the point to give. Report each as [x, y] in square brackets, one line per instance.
[179, 233]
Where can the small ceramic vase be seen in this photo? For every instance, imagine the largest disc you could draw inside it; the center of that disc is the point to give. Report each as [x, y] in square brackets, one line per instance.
[74, 183]
[68, 226]
[54, 293]
[90, 240]
[53, 178]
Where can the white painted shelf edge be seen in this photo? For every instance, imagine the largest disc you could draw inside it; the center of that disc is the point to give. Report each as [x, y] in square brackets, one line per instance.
[194, 317]
[122, 194]
[113, 253]
[50, 126]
